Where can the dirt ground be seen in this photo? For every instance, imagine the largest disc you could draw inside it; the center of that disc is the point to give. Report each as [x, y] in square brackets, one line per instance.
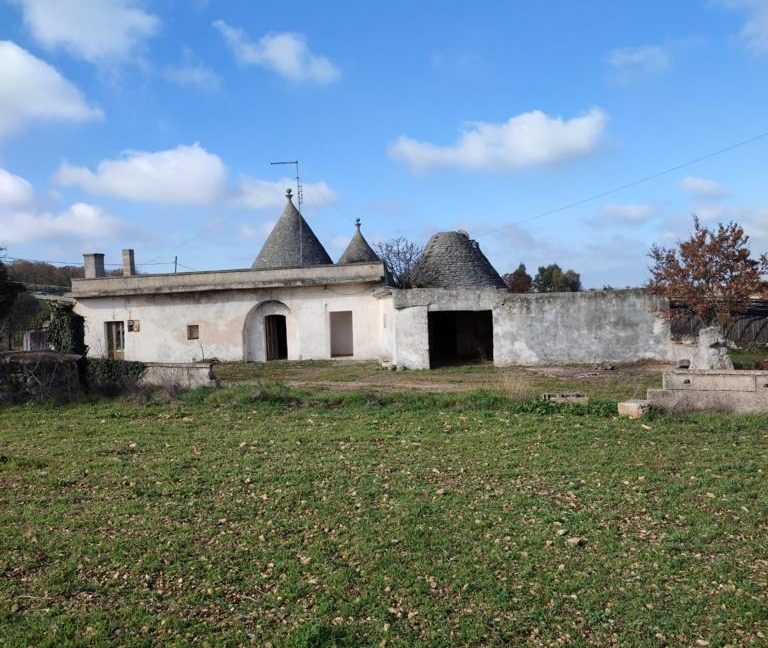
[608, 381]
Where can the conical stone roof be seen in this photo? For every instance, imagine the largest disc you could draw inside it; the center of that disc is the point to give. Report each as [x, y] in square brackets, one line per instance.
[291, 243]
[453, 260]
[358, 250]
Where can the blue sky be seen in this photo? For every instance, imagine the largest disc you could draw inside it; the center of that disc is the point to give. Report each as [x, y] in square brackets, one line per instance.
[152, 124]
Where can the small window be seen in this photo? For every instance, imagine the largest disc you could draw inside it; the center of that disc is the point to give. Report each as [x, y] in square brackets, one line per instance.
[133, 326]
[193, 331]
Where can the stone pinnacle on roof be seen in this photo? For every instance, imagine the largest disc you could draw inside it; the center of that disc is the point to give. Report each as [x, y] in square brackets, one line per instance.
[291, 243]
[358, 250]
[453, 260]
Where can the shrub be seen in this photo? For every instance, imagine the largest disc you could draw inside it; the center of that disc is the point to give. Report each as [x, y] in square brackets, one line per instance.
[66, 330]
[111, 377]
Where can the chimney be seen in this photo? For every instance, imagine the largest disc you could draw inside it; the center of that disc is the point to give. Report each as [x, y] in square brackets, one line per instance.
[94, 265]
[129, 265]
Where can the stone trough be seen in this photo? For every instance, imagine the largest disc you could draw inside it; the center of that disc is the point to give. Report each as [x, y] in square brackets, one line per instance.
[704, 390]
[185, 375]
[712, 391]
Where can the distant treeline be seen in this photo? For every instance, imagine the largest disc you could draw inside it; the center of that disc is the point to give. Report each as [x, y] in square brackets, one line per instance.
[39, 273]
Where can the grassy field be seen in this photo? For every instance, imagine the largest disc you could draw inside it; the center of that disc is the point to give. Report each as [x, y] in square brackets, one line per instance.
[750, 358]
[253, 515]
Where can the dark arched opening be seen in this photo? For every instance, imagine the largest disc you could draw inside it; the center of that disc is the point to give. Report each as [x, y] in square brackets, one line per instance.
[275, 337]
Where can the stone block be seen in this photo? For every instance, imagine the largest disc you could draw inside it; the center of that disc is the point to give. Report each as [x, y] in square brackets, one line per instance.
[634, 408]
[567, 397]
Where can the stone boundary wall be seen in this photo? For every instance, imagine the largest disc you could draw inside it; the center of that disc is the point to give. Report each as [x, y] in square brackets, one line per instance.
[734, 391]
[38, 375]
[542, 329]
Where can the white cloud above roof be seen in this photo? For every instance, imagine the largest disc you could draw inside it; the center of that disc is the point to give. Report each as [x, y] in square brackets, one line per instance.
[25, 222]
[259, 194]
[15, 191]
[285, 53]
[31, 90]
[94, 30]
[526, 140]
[184, 175]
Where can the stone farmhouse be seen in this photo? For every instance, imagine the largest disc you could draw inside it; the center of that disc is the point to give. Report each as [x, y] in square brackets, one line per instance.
[295, 303]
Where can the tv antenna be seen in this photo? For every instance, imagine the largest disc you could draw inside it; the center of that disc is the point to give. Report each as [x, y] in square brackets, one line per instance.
[299, 189]
[300, 196]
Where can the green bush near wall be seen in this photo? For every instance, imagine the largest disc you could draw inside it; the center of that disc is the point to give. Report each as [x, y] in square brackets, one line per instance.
[112, 377]
[66, 330]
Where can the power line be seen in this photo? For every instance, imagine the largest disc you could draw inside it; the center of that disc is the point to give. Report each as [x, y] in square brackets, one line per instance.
[628, 185]
[79, 263]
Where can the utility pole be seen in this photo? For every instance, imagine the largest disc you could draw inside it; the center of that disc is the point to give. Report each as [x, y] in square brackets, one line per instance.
[300, 196]
[175, 264]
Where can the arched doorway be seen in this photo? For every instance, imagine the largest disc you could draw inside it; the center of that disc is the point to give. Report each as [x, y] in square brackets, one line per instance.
[267, 332]
[275, 337]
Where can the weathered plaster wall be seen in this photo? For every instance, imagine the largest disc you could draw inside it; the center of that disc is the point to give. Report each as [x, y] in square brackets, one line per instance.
[575, 328]
[536, 329]
[221, 316]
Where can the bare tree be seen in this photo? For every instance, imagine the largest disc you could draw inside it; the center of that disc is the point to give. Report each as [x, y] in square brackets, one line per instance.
[711, 273]
[400, 256]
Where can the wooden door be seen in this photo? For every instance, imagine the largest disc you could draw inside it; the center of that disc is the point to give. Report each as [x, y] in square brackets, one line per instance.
[115, 340]
[275, 337]
[341, 334]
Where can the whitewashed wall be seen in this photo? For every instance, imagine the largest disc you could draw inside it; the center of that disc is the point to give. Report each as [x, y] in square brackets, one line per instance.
[222, 315]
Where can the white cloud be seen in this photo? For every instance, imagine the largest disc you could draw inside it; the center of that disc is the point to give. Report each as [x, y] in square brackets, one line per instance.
[648, 58]
[193, 74]
[24, 222]
[284, 52]
[630, 214]
[529, 139]
[703, 188]
[185, 175]
[258, 194]
[15, 191]
[80, 221]
[754, 34]
[94, 30]
[31, 90]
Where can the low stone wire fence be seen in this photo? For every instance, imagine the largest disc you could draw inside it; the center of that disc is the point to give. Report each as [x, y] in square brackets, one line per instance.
[61, 377]
[745, 331]
[40, 376]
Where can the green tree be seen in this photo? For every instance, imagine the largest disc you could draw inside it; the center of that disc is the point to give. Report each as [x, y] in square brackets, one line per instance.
[9, 291]
[551, 278]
